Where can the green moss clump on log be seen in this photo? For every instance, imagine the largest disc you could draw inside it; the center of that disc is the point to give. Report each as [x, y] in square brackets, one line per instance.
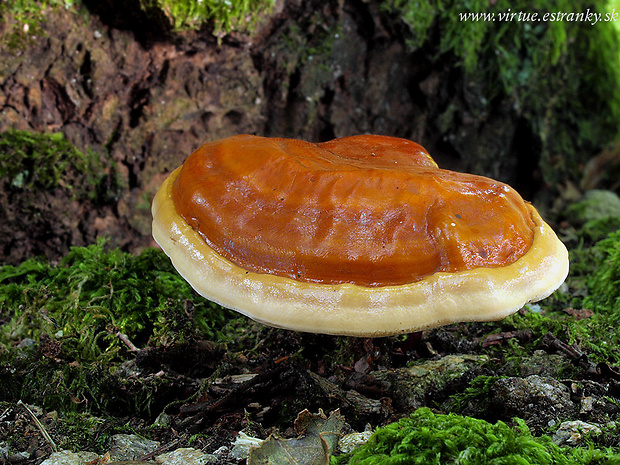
[34, 162]
[226, 15]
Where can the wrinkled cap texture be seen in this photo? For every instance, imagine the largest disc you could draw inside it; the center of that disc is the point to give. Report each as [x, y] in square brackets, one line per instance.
[362, 235]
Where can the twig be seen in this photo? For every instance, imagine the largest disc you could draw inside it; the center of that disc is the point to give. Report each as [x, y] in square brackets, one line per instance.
[549, 341]
[159, 450]
[4, 413]
[199, 411]
[130, 345]
[39, 425]
[495, 339]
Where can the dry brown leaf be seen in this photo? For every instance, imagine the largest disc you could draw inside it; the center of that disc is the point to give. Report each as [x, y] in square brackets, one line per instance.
[317, 440]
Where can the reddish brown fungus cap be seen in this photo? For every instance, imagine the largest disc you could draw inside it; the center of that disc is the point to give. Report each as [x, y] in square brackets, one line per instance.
[361, 235]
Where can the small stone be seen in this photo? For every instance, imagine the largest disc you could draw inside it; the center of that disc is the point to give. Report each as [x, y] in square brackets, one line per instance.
[4, 451]
[26, 342]
[352, 441]
[220, 452]
[410, 385]
[536, 399]
[538, 363]
[66, 457]
[570, 433]
[185, 456]
[163, 420]
[130, 447]
[587, 404]
[596, 204]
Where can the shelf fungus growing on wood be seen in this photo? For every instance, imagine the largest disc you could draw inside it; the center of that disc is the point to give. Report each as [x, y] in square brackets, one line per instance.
[360, 236]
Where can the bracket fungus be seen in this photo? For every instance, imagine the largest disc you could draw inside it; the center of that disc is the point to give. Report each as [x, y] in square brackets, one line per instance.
[360, 236]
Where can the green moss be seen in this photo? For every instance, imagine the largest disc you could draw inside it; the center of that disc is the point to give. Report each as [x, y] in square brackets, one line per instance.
[93, 294]
[595, 205]
[598, 229]
[24, 9]
[595, 335]
[35, 162]
[225, 15]
[477, 392]
[62, 329]
[26, 18]
[429, 438]
[75, 431]
[73, 387]
[604, 283]
[418, 16]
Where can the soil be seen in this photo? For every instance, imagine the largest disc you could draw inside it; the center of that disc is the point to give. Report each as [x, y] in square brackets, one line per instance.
[261, 391]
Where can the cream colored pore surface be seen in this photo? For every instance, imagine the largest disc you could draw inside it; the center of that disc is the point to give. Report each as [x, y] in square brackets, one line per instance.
[479, 294]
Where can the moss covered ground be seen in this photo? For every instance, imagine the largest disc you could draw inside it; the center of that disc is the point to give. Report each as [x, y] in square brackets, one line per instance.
[84, 314]
[68, 331]
[429, 438]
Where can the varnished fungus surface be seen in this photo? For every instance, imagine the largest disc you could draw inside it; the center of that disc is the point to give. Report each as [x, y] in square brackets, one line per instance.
[366, 210]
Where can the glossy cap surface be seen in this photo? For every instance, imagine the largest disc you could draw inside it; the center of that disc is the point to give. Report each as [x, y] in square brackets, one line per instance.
[367, 210]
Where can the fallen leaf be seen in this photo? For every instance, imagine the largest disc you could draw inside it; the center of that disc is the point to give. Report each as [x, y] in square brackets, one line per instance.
[318, 438]
[495, 339]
